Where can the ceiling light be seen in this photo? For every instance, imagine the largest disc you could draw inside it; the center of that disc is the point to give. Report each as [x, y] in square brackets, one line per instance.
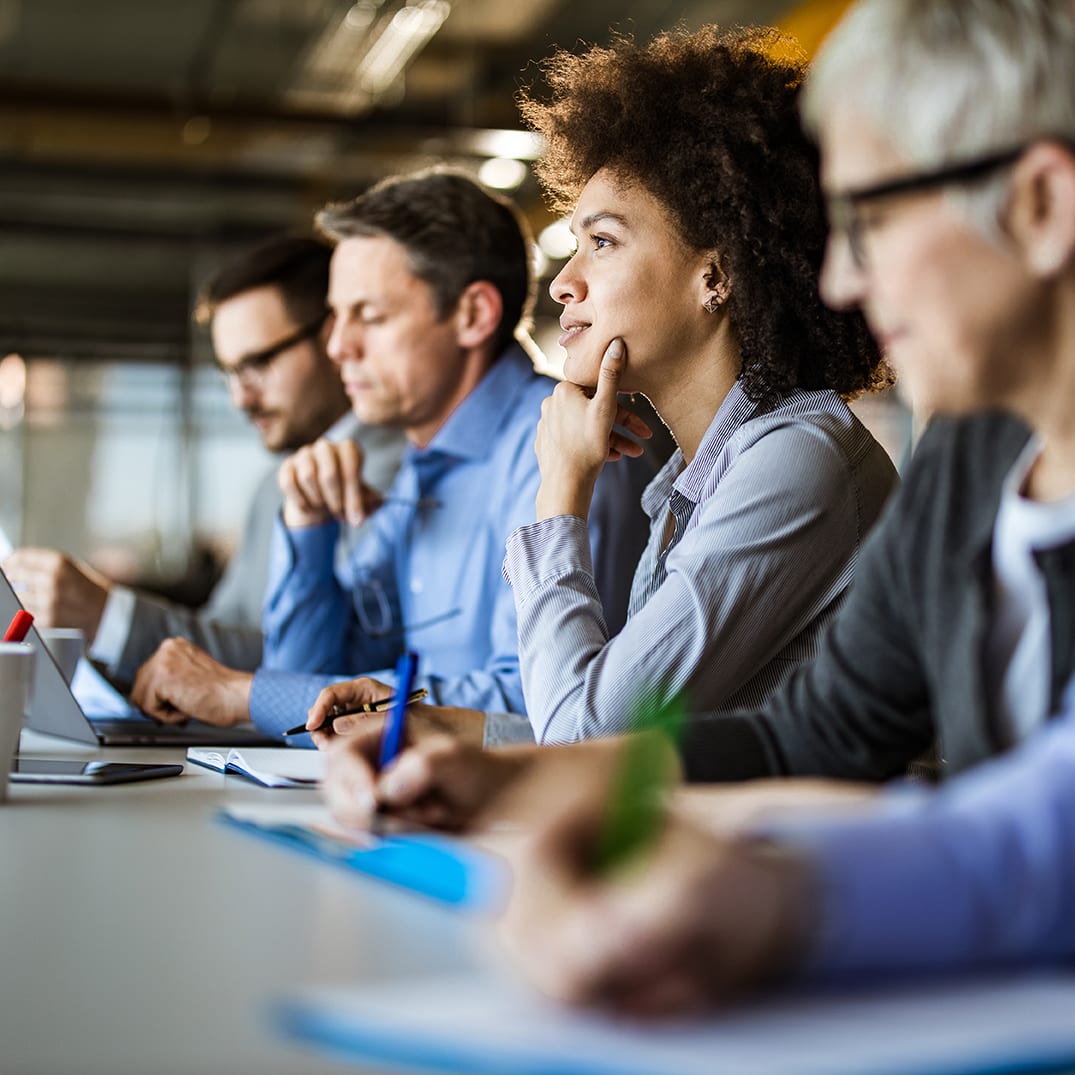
[408, 31]
[503, 173]
[557, 241]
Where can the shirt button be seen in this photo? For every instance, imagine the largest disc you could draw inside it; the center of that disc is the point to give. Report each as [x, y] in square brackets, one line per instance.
[416, 586]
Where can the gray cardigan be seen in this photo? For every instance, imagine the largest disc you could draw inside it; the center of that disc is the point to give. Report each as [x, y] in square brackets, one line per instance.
[901, 665]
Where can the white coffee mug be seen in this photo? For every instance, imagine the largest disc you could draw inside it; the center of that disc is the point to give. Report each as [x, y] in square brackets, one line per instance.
[66, 645]
[16, 675]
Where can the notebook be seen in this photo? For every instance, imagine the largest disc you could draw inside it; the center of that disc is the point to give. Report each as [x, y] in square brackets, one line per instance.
[490, 1025]
[54, 710]
[272, 767]
[441, 867]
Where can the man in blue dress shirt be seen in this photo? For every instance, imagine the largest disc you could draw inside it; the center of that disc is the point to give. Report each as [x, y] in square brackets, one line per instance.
[430, 290]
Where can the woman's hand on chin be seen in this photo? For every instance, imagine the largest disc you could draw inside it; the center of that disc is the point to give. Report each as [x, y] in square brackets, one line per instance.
[577, 436]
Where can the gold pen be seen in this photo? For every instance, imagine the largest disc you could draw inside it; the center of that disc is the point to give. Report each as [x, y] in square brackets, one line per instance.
[366, 707]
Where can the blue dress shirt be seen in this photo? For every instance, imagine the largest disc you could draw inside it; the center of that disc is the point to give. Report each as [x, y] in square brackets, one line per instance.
[979, 874]
[428, 576]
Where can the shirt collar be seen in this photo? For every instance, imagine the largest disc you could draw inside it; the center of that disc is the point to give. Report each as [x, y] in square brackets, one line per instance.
[734, 411]
[689, 481]
[470, 430]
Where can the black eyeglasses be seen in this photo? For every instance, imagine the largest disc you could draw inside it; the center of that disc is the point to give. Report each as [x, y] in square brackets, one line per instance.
[250, 369]
[845, 209]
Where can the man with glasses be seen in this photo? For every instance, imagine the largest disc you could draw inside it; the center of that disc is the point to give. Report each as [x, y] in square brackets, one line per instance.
[430, 291]
[269, 325]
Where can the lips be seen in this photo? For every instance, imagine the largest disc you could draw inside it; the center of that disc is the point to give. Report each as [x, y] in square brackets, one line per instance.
[572, 330]
[356, 388]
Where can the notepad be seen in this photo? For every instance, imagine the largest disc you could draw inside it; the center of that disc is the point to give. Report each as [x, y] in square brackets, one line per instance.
[273, 767]
[443, 868]
[489, 1025]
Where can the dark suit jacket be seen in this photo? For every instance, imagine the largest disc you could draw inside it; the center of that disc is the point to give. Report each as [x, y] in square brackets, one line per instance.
[902, 663]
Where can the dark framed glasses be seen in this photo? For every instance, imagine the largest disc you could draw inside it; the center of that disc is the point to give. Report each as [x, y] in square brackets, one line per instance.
[251, 368]
[845, 209]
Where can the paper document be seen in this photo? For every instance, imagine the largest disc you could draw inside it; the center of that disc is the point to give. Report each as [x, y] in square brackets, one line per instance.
[274, 767]
[487, 1026]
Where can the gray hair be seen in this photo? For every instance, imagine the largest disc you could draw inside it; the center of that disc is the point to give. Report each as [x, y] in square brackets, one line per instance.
[947, 80]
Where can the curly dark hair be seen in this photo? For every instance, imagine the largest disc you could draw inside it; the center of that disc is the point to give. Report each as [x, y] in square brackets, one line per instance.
[708, 123]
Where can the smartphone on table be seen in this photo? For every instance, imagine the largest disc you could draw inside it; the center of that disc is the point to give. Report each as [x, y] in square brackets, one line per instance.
[66, 771]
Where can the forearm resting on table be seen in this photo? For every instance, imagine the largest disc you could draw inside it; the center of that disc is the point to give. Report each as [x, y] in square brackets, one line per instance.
[731, 808]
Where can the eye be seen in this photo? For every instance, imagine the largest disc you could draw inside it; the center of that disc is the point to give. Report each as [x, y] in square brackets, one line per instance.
[600, 242]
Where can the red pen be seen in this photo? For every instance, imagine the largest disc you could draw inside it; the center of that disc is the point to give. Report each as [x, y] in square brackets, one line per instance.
[20, 624]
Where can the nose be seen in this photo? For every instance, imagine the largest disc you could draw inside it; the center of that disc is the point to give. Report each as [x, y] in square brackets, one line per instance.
[244, 395]
[567, 286]
[340, 341]
[842, 283]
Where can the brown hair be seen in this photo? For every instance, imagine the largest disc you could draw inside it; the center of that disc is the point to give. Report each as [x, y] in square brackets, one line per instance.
[296, 265]
[708, 123]
[454, 231]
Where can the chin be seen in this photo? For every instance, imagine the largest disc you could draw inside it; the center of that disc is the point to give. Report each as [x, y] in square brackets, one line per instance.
[582, 370]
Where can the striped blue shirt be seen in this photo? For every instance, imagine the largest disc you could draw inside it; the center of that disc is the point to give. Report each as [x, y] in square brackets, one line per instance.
[769, 519]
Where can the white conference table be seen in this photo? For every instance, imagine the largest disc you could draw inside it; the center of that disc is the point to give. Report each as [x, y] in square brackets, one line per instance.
[140, 935]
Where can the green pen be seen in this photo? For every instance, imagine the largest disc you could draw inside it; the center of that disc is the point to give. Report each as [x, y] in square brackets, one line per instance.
[635, 809]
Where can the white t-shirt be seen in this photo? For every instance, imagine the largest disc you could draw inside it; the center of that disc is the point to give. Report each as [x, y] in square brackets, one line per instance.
[1018, 658]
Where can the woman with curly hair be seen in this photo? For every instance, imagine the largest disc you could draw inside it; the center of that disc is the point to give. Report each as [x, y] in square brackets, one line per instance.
[700, 233]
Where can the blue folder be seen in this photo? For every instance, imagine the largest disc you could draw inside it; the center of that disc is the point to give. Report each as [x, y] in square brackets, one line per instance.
[442, 868]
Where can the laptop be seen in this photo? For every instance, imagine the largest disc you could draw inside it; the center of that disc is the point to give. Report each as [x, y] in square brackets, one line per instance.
[54, 710]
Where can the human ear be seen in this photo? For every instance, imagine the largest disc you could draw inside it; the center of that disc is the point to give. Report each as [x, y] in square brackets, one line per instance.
[478, 313]
[716, 284]
[1041, 214]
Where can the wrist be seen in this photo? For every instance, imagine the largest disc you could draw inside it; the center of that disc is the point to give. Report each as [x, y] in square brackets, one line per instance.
[295, 518]
[564, 497]
[467, 725]
[239, 687]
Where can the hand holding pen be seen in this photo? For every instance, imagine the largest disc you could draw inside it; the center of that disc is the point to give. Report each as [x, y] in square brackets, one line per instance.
[331, 706]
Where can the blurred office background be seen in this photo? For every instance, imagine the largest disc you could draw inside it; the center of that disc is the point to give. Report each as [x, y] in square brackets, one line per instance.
[140, 142]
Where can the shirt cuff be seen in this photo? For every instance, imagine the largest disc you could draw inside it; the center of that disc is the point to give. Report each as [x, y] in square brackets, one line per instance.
[114, 628]
[280, 700]
[311, 549]
[504, 728]
[550, 549]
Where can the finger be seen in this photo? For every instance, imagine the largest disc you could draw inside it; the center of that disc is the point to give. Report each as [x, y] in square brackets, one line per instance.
[324, 703]
[304, 467]
[349, 799]
[349, 460]
[329, 475]
[632, 423]
[446, 768]
[623, 445]
[288, 482]
[613, 363]
[349, 784]
[411, 778]
[352, 692]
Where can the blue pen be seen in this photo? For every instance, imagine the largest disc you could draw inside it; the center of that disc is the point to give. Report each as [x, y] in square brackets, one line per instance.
[392, 740]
